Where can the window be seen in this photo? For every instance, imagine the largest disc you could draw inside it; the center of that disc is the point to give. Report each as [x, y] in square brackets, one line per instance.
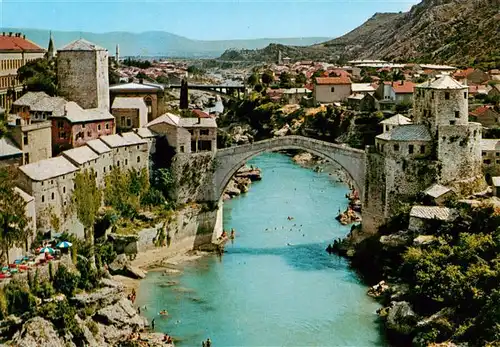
[118, 163]
[123, 121]
[138, 159]
[62, 134]
[422, 149]
[396, 148]
[42, 183]
[60, 124]
[110, 168]
[181, 149]
[104, 169]
[382, 147]
[126, 161]
[107, 126]
[64, 190]
[83, 125]
[64, 203]
[432, 95]
[129, 122]
[410, 149]
[137, 146]
[25, 139]
[452, 122]
[99, 127]
[457, 114]
[386, 128]
[51, 182]
[191, 131]
[52, 196]
[484, 153]
[89, 134]
[498, 161]
[204, 132]
[487, 161]
[332, 89]
[27, 159]
[43, 197]
[447, 96]
[465, 95]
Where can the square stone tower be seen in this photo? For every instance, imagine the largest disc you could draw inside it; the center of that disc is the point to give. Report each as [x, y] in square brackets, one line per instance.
[82, 73]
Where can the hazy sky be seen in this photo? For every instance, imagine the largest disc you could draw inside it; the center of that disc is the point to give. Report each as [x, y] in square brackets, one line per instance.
[199, 19]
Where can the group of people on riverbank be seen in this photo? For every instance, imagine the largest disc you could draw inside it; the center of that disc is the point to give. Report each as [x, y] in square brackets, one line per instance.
[206, 343]
[132, 296]
[224, 235]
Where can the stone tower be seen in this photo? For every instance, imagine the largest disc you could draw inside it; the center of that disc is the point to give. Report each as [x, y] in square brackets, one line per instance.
[117, 53]
[441, 146]
[51, 52]
[82, 72]
[280, 58]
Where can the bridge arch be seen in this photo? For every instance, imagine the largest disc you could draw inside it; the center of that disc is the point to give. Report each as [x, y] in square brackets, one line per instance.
[229, 160]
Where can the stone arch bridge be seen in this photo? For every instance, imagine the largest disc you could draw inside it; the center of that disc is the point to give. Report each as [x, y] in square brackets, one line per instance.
[229, 160]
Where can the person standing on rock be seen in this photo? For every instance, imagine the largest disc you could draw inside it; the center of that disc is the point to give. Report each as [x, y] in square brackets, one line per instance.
[209, 343]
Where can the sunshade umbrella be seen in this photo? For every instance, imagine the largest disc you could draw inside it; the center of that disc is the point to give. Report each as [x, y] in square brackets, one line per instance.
[47, 250]
[64, 244]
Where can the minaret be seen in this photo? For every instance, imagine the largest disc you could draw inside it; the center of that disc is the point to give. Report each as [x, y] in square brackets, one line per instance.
[117, 53]
[280, 61]
[51, 53]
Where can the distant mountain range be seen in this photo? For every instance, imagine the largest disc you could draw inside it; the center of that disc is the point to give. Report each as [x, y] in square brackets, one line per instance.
[459, 32]
[157, 43]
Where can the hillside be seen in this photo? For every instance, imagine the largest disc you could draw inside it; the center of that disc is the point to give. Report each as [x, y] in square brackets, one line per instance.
[157, 43]
[459, 32]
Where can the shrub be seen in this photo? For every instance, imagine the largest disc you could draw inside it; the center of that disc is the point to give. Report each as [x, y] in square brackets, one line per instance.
[45, 290]
[88, 275]
[94, 329]
[65, 281]
[19, 298]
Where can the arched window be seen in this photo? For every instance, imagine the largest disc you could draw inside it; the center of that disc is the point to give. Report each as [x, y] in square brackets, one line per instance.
[149, 103]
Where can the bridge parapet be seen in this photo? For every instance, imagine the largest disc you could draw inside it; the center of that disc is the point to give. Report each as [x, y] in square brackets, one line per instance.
[229, 160]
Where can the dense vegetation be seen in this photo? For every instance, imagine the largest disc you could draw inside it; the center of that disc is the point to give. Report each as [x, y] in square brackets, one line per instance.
[457, 275]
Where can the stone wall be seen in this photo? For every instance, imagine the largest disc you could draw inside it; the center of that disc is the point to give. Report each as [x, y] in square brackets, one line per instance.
[375, 191]
[39, 145]
[83, 77]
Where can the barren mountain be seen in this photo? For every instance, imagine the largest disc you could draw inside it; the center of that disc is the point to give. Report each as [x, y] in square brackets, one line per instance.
[459, 32]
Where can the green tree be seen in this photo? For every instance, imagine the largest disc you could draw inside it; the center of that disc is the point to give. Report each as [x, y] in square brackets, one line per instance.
[300, 79]
[87, 197]
[267, 77]
[13, 220]
[19, 298]
[285, 80]
[142, 75]
[253, 79]
[39, 76]
[65, 281]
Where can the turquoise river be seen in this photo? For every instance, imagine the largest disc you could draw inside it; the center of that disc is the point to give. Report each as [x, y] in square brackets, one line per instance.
[275, 285]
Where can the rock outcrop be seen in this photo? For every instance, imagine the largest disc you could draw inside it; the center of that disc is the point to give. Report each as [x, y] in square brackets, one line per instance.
[401, 318]
[38, 332]
[241, 181]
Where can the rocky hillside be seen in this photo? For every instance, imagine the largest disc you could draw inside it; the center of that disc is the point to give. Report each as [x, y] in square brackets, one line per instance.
[461, 32]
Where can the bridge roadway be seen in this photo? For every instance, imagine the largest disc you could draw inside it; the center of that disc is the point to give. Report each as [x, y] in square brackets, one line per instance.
[220, 89]
[229, 160]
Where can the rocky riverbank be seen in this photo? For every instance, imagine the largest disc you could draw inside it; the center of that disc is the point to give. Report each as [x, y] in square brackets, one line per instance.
[104, 317]
[241, 181]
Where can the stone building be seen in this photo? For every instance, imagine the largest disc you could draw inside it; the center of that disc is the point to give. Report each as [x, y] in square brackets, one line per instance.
[50, 182]
[490, 152]
[440, 147]
[423, 217]
[129, 112]
[362, 102]
[393, 122]
[486, 116]
[15, 51]
[153, 95]
[32, 138]
[10, 154]
[331, 89]
[394, 93]
[76, 126]
[129, 151]
[85, 158]
[186, 135]
[82, 71]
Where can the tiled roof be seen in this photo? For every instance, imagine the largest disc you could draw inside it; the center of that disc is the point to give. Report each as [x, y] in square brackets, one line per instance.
[81, 45]
[433, 212]
[357, 96]
[463, 73]
[30, 98]
[481, 111]
[200, 114]
[167, 118]
[52, 104]
[18, 44]
[398, 119]
[409, 132]
[76, 114]
[129, 103]
[114, 141]
[8, 148]
[296, 91]
[145, 133]
[137, 86]
[80, 155]
[496, 181]
[490, 144]
[333, 80]
[403, 87]
[98, 146]
[197, 123]
[443, 82]
[362, 87]
[48, 168]
[436, 190]
[133, 138]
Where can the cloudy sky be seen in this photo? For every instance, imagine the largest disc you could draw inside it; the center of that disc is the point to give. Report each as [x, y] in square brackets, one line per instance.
[199, 19]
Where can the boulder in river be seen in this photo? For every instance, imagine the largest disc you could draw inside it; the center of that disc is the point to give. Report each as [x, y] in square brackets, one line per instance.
[119, 264]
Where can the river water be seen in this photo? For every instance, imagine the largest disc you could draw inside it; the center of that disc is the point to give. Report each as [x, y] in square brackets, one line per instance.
[275, 285]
